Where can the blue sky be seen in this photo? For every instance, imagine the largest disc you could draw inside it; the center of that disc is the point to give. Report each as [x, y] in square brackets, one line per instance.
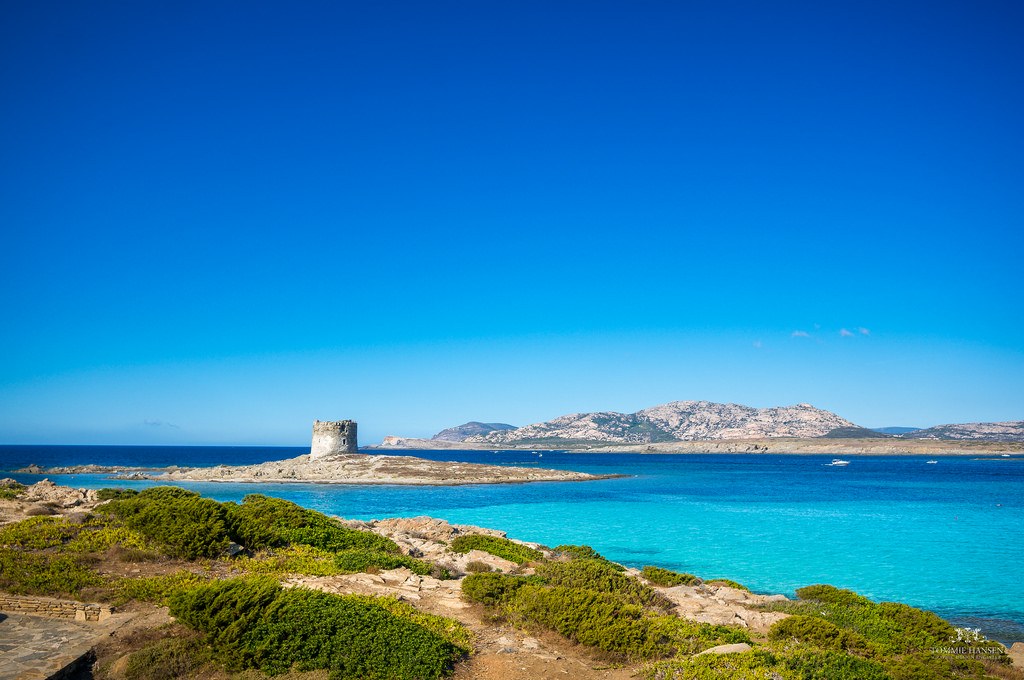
[223, 220]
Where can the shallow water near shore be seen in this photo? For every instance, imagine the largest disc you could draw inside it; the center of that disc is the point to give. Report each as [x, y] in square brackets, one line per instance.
[943, 536]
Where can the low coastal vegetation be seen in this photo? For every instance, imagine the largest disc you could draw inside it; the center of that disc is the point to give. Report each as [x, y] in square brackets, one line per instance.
[668, 578]
[228, 573]
[255, 623]
[836, 634]
[497, 546]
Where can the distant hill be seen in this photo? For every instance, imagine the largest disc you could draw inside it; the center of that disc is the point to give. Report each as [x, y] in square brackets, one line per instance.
[677, 421]
[856, 433]
[470, 429]
[895, 430]
[1012, 431]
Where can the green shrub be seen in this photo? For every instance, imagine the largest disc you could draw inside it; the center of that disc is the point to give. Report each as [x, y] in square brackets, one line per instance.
[253, 623]
[607, 621]
[262, 522]
[690, 637]
[168, 658]
[109, 494]
[351, 561]
[10, 489]
[729, 583]
[599, 576]
[499, 547]
[25, 573]
[668, 578]
[602, 620]
[158, 589]
[99, 539]
[493, 588]
[295, 559]
[759, 664]
[831, 594]
[449, 629]
[38, 533]
[585, 552]
[818, 633]
[815, 664]
[476, 567]
[186, 524]
[928, 666]
[901, 637]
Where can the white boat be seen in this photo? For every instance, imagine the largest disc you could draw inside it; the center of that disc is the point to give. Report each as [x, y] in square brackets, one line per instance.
[931, 462]
[1006, 455]
[837, 462]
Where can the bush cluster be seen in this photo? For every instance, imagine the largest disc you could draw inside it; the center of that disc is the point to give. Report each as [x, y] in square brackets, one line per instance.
[172, 657]
[499, 547]
[819, 633]
[262, 522]
[10, 489]
[55, 575]
[668, 578]
[109, 494]
[38, 533]
[158, 589]
[585, 552]
[600, 576]
[183, 522]
[589, 602]
[493, 588]
[254, 623]
[900, 639]
[762, 664]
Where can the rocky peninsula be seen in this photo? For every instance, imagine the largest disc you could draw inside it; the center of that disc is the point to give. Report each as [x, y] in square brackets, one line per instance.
[352, 468]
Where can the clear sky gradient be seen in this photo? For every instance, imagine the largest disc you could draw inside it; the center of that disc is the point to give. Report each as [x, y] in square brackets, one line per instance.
[223, 220]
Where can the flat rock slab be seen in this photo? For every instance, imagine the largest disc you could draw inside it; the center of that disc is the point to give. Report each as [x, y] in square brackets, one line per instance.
[34, 648]
[737, 648]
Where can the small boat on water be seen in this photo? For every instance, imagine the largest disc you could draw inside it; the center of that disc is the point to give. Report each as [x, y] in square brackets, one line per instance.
[838, 462]
[931, 462]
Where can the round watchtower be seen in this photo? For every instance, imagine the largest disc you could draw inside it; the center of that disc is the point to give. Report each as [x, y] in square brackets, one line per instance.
[333, 437]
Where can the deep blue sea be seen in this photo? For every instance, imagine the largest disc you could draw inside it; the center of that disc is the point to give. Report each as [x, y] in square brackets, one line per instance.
[946, 536]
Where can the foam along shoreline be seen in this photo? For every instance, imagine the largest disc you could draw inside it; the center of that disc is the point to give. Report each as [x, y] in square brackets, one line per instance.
[338, 469]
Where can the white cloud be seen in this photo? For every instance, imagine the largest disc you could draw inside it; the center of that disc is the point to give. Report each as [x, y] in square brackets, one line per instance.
[159, 423]
[863, 331]
[845, 333]
[799, 334]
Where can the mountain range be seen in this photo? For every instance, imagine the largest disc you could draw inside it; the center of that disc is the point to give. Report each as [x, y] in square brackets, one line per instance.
[676, 421]
[704, 420]
[459, 433]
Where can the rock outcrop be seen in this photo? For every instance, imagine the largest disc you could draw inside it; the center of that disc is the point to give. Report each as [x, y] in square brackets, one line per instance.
[676, 421]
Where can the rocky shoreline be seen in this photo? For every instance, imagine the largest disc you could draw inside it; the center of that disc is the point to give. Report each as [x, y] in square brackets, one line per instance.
[339, 469]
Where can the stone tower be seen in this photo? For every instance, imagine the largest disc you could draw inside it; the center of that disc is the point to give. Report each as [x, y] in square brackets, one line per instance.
[333, 437]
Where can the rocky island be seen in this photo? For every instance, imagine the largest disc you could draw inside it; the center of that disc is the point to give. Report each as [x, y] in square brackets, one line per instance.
[333, 459]
[350, 468]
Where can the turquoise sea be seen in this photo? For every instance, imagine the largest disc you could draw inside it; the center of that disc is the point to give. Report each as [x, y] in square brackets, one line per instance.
[944, 536]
